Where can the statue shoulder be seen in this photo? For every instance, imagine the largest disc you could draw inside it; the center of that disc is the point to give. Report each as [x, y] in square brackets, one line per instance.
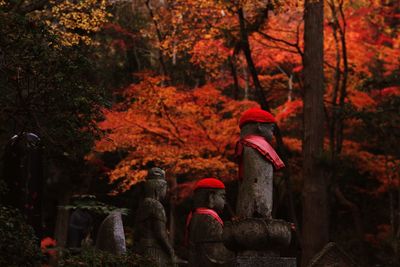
[205, 228]
[152, 208]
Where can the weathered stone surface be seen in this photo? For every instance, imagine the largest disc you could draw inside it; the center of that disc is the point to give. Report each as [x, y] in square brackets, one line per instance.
[206, 246]
[264, 262]
[257, 234]
[205, 230]
[111, 236]
[255, 190]
[150, 225]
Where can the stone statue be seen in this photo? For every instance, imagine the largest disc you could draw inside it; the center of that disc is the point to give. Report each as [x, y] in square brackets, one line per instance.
[80, 224]
[257, 161]
[23, 175]
[204, 227]
[111, 236]
[255, 235]
[151, 230]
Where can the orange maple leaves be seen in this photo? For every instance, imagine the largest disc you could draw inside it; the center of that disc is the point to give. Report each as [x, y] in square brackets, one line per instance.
[189, 133]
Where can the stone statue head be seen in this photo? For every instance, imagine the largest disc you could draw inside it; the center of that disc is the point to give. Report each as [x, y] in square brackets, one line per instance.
[265, 130]
[209, 193]
[258, 122]
[156, 185]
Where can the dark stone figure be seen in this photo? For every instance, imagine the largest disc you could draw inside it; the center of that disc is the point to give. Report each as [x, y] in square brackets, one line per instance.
[111, 236]
[79, 227]
[23, 175]
[151, 220]
[205, 228]
[255, 235]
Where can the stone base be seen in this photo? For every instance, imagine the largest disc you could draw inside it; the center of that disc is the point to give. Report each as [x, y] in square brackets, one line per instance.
[243, 261]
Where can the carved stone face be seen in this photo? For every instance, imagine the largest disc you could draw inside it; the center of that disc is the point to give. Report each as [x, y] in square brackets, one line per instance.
[266, 130]
[217, 200]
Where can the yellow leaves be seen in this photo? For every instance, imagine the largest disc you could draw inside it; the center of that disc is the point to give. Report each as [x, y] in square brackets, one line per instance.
[192, 21]
[74, 22]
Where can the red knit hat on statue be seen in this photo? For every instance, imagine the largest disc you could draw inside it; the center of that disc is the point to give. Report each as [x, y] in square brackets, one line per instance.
[256, 115]
[210, 183]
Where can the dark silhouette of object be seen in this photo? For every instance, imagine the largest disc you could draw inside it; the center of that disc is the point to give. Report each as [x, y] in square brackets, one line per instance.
[151, 220]
[111, 236]
[80, 222]
[204, 227]
[23, 175]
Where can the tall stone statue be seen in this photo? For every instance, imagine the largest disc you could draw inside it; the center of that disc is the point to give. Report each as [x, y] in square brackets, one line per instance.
[204, 228]
[23, 174]
[151, 229]
[257, 162]
[255, 235]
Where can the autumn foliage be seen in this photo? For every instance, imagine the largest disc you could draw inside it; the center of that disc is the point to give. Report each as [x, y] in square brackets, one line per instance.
[191, 131]
[191, 134]
[186, 79]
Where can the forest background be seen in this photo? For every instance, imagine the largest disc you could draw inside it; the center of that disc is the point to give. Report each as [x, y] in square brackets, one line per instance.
[116, 87]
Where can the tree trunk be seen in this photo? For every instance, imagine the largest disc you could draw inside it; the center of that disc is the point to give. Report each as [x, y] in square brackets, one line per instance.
[244, 38]
[232, 63]
[159, 38]
[315, 203]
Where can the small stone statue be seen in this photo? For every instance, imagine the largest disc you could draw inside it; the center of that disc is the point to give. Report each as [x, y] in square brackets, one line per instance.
[151, 221]
[111, 236]
[204, 227]
[79, 228]
[257, 161]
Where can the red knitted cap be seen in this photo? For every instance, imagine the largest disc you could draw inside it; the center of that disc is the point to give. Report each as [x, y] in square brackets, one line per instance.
[256, 115]
[211, 183]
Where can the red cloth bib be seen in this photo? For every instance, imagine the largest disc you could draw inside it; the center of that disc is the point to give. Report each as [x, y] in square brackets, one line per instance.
[261, 145]
[206, 211]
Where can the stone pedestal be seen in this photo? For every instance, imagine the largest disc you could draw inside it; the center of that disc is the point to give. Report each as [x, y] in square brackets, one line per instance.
[268, 261]
[257, 242]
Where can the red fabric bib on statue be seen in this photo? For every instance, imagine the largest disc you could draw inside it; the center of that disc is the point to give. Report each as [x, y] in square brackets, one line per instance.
[261, 145]
[206, 211]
